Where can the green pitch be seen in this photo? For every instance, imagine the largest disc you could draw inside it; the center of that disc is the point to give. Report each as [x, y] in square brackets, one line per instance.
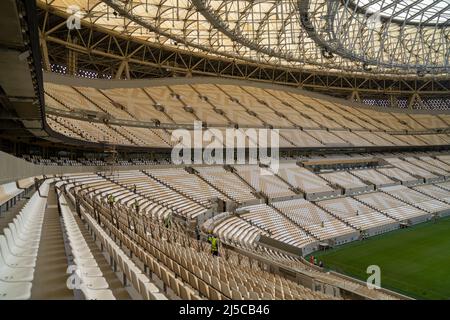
[413, 261]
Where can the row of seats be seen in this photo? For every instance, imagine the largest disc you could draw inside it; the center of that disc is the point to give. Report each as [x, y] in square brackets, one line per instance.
[19, 248]
[155, 191]
[411, 168]
[390, 206]
[438, 163]
[187, 184]
[189, 266]
[427, 165]
[343, 179]
[227, 183]
[435, 192]
[357, 214]
[314, 219]
[12, 191]
[121, 261]
[238, 232]
[156, 249]
[416, 199]
[101, 189]
[398, 174]
[373, 177]
[288, 138]
[303, 179]
[85, 271]
[276, 225]
[264, 181]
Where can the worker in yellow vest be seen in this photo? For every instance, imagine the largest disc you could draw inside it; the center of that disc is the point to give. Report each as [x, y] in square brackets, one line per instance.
[168, 221]
[111, 201]
[214, 245]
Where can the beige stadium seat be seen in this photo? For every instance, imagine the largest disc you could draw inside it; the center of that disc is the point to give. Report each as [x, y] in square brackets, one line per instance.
[15, 290]
[236, 295]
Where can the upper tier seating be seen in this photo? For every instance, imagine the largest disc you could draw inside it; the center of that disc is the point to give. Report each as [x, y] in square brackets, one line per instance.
[430, 121]
[299, 138]
[352, 138]
[409, 121]
[303, 121]
[326, 137]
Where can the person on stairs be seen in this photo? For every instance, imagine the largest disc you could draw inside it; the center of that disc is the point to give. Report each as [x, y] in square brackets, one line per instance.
[214, 245]
[168, 221]
[136, 206]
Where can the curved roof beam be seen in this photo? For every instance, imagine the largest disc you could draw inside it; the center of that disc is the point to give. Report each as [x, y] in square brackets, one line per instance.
[223, 27]
[328, 40]
[117, 6]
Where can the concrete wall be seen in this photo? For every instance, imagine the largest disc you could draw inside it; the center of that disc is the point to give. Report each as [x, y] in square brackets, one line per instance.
[13, 168]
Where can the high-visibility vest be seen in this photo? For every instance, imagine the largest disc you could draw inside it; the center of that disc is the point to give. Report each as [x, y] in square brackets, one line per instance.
[213, 244]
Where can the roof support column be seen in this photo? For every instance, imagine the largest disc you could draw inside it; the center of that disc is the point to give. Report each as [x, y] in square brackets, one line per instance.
[44, 51]
[123, 67]
[354, 96]
[72, 57]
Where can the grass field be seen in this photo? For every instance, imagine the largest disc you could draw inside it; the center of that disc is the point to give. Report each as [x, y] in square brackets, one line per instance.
[413, 261]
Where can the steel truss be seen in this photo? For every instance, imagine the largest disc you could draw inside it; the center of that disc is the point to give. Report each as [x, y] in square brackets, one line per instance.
[108, 53]
[409, 35]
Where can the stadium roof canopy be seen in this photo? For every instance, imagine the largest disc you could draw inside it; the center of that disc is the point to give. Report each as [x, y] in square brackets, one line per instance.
[380, 36]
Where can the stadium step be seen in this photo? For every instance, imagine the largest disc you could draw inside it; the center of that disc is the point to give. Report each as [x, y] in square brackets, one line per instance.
[51, 265]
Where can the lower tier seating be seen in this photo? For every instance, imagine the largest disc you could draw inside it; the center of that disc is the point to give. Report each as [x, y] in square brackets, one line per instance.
[19, 247]
[314, 219]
